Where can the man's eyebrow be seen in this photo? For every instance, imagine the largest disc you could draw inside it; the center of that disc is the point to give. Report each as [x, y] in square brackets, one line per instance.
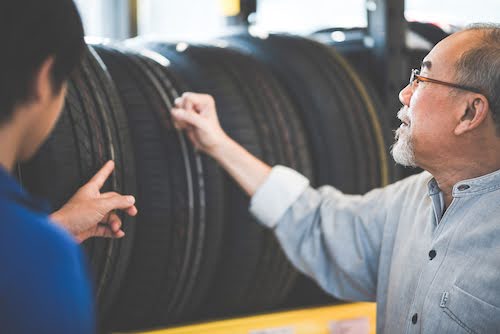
[426, 64]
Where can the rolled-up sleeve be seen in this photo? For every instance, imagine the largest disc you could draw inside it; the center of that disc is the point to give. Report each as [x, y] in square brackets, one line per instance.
[280, 190]
[332, 237]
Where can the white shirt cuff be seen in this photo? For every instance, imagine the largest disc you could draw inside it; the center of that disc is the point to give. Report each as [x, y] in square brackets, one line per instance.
[278, 192]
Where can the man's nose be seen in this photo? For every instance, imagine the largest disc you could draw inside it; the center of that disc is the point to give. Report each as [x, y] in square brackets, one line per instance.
[405, 95]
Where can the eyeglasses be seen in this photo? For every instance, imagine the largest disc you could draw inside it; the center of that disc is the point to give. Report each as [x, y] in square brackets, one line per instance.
[415, 78]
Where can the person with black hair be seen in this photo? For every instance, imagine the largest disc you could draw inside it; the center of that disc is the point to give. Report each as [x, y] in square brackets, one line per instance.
[44, 286]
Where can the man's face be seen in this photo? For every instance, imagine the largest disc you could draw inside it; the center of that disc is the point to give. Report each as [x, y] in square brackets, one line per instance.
[429, 113]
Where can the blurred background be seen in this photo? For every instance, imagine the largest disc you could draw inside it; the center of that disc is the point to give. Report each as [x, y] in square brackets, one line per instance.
[205, 19]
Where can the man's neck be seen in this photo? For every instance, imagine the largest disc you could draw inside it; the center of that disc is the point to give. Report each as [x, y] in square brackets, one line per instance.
[448, 177]
[9, 146]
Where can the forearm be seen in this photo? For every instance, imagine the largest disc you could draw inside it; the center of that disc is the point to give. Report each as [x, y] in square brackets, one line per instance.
[248, 171]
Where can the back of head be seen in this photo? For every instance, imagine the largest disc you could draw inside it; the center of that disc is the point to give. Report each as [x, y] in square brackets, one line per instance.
[31, 31]
[479, 66]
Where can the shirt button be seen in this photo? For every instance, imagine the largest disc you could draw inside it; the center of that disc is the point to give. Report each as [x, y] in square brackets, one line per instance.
[463, 187]
[414, 318]
[432, 254]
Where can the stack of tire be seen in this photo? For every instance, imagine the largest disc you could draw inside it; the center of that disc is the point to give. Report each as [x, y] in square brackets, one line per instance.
[194, 252]
[91, 130]
[356, 47]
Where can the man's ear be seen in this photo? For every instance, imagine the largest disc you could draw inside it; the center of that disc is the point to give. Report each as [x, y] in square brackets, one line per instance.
[475, 113]
[42, 81]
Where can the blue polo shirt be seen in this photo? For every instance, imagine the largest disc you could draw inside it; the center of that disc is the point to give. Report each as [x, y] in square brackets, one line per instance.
[44, 287]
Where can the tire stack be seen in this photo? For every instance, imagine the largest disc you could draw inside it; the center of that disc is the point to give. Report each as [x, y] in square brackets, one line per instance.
[91, 130]
[349, 140]
[354, 45]
[345, 125]
[194, 252]
[252, 271]
[179, 226]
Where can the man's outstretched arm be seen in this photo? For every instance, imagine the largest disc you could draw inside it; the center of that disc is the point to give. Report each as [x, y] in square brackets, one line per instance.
[196, 114]
[332, 237]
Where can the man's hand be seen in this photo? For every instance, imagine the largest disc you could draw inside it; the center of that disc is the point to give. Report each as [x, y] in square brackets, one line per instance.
[92, 214]
[196, 114]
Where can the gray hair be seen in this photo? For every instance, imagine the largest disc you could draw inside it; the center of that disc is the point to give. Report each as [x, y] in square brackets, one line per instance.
[480, 66]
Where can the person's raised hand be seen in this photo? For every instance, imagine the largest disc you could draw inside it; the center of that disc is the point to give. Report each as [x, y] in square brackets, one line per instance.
[90, 213]
[196, 114]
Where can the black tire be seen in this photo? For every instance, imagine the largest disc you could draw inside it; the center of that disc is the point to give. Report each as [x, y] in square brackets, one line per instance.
[252, 273]
[179, 225]
[350, 140]
[316, 76]
[91, 130]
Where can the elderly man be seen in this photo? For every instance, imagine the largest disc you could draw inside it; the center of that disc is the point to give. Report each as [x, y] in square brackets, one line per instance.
[427, 248]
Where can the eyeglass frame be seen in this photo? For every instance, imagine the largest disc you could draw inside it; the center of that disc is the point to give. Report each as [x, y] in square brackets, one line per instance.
[415, 75]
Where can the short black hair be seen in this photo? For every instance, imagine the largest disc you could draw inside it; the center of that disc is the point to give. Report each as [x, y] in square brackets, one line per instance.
[30, 32]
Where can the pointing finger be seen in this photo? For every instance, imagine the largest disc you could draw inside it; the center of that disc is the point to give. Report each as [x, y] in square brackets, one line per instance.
[102, 175]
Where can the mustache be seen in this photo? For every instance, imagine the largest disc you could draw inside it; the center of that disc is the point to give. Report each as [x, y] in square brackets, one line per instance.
[404, 113]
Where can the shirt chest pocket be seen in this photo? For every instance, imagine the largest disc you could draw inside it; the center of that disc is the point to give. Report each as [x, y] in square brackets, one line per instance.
[480, 276]
[473, 301]
[465, 313]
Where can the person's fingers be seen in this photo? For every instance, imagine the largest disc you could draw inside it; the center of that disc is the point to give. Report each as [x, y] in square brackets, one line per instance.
[105, 231]
[106, 217]
[198, 101]
[109, 194]
[178, 124]
[178, 102]
[184, 102]
[114, 222]
[102, 175]
[188, 104]
[132, 211]
[116, 202]
[119, 234]
[183, 117]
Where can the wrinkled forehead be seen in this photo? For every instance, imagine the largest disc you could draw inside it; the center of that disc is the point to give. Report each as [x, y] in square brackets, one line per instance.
[441, 60]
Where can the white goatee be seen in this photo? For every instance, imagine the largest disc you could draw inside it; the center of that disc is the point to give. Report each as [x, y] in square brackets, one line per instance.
[402, 150]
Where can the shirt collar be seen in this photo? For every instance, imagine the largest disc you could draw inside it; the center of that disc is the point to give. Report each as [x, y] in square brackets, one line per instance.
[11, 190]
[433, 187]
[475, 186]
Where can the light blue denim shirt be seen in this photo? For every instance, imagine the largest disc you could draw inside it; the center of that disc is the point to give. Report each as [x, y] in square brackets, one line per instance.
[429, 272]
